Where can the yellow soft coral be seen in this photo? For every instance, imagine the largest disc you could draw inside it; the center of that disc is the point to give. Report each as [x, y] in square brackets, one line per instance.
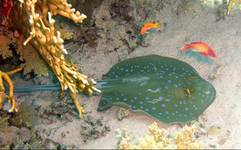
[34, 19]
[186, 140]
[160, 139]
[48, 42]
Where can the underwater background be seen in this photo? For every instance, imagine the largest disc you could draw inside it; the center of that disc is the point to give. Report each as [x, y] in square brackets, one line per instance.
[110, 35]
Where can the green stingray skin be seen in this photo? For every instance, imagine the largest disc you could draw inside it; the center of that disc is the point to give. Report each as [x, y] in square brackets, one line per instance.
[165, 88]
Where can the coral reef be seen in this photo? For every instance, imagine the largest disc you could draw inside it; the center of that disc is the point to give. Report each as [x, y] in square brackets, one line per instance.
[92, 128]
[37, 23]
[160, 139]
[16, 128]
[58, 110]
[119, 23]
[25, 117]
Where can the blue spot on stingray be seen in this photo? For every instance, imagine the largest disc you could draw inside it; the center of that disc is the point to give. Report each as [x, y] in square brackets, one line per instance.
[135, 98]
[167, 100]
[175, 105]
[146, 109]
[160, 113]
[146, 98]
[160, 97]
[166, 86]
[163, 105]
[141, 102]
[125, 99]
[153, 108]
[169, 81]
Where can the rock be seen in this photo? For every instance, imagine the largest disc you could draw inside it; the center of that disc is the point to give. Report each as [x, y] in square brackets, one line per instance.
[189, 7]
[92, 128]
[14, 135]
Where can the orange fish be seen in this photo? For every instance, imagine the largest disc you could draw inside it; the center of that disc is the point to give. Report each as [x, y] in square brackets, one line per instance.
[201, 48]
[148, 26]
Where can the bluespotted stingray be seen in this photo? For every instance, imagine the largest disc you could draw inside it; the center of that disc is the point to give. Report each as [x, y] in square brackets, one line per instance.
[165, 88]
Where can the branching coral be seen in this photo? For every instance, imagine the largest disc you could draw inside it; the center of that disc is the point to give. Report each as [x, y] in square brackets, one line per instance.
[10, 97]
[231, 4]
[35, 17]
[160, 139]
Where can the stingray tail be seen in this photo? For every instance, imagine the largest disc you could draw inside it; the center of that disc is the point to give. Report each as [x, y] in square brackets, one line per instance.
[36, 88]
[108, 88]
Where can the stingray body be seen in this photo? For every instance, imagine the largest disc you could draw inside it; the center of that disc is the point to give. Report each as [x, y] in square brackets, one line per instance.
[165, 88]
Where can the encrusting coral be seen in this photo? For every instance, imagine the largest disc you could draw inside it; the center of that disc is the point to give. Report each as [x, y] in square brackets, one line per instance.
[160, 139]
[33, 19]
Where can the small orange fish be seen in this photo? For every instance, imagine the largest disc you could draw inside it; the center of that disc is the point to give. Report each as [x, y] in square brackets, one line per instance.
[148, 26]
[201, 48]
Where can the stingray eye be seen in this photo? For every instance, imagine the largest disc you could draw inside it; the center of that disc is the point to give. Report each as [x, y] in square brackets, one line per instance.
[188, 92]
